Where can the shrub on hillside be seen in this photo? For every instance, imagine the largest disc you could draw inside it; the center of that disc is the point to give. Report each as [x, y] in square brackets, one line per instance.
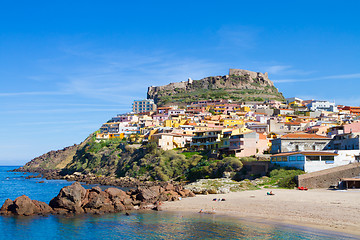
[286, 178]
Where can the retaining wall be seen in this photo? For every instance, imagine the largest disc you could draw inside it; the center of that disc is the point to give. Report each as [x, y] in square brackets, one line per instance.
[328, 177]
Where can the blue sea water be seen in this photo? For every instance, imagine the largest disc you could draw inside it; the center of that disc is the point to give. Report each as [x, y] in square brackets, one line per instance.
[139, 225]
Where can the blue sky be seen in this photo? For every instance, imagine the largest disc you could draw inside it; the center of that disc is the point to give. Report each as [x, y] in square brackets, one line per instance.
[68, 66]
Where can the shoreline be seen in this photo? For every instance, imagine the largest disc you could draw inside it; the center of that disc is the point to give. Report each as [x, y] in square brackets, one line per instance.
[317, 208]
[124, 182]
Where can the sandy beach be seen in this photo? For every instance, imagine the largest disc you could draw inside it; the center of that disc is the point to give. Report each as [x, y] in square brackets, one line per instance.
[320, 208]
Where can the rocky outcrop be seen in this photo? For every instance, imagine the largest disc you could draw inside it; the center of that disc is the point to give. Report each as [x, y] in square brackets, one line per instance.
[75, 199]
[231, 84]
[24, 206]
[70, 198]
[53, 159]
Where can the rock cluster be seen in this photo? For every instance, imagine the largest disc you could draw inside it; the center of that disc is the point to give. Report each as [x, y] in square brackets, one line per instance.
[77, 200]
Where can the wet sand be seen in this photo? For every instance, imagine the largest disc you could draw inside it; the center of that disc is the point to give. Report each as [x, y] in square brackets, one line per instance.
[319, 208]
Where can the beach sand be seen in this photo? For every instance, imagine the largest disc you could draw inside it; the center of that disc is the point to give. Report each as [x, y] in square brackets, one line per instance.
[319, 208]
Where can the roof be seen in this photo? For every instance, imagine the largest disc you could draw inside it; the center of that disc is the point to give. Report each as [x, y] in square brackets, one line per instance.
[351, 179]
[304, 136]
[292, 123]
[315, 153]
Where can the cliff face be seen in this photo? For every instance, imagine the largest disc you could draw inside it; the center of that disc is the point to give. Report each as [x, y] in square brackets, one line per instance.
[239, 85]
[54, 160]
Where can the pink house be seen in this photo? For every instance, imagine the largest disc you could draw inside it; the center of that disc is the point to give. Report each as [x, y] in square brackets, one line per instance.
[352, 127]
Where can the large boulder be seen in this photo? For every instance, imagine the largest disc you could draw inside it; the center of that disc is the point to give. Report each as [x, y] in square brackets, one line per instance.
[148, 194]
[8, 207]
[117, 194]
[24, 206]
[98, 201]
[188, 193]
[43, 208]
[70, 198]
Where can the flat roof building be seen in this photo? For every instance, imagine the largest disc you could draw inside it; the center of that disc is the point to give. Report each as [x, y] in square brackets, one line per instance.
[140, 106]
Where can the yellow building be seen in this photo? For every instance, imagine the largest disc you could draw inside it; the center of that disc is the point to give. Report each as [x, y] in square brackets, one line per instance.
[232, 122]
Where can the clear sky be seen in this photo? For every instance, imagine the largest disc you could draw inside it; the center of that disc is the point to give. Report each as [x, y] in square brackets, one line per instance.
[68, 66]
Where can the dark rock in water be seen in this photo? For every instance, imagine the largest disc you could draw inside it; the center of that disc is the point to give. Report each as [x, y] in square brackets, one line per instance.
[24, 206]
[8, 207]
[40, 182]
[33, 176]
[70, 198]
[75, 199]
[95, 200]
[119, 207]
[43, 208]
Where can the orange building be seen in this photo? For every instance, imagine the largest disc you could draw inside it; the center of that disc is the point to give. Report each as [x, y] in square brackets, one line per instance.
[353, 110]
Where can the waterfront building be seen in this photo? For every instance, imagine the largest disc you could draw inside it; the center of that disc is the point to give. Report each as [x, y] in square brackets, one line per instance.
[312, 161]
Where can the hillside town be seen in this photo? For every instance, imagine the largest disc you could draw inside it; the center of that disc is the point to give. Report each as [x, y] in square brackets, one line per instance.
[311, 135]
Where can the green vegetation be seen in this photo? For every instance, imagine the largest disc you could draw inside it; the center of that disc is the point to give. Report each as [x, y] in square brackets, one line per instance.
[117, 158]
[205, 94]
[120, 159]
[236, 88]
[282, 177]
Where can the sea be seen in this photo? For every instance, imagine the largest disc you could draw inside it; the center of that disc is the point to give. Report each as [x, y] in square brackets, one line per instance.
[139, 225]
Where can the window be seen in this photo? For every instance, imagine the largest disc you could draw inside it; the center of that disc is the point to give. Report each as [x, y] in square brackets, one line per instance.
[292, 158]
[284, 159]
[300, 158]
[327, 158]
[312, 158]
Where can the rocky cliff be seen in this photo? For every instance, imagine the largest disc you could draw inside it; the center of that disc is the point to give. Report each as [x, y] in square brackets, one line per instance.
[239, 85]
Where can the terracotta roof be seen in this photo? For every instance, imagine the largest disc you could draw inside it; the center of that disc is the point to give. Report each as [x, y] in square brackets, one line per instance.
[306, 154]
[303, 136]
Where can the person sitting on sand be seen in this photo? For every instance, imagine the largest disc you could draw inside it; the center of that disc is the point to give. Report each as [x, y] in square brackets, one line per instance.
[270, 193]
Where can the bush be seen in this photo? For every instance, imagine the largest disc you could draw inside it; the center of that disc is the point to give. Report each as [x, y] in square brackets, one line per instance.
[285, 178]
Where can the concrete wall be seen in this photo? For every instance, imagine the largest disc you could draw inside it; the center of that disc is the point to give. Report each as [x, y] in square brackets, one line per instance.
[257, 167]
[328, 177]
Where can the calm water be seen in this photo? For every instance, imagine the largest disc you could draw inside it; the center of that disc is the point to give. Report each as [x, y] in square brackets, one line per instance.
[139, 225]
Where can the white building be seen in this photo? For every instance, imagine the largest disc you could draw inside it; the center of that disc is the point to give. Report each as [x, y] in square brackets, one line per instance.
[317, 105]
[315, 161]
[293, 99]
